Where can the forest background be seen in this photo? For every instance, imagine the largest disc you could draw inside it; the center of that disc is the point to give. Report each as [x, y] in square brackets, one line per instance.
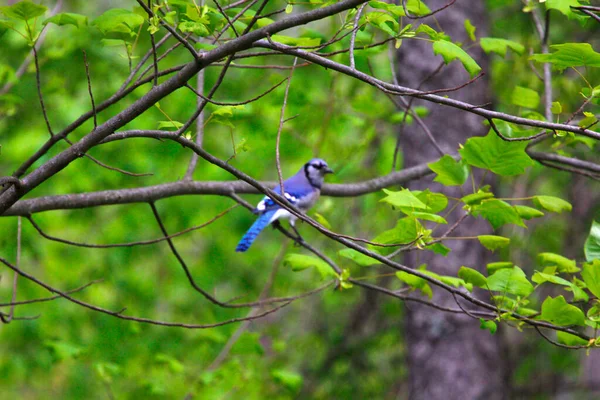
[454, 254]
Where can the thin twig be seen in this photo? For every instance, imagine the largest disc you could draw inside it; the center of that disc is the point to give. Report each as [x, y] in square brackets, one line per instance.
[129, 244]
[154, 57]
[280, 128]
[89, 82]
[189, 174]
[229, 22]
[13, 300]
[119, 314]
[45, 299]
[515, 139]
[172, 30]
[221, 103]
[39, 90]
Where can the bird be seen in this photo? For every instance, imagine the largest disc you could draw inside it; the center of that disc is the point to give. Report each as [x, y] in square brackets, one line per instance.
[301, 190]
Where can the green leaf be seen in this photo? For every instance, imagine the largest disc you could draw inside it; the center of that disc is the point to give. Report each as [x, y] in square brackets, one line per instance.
[591, 248]
[564, 6]
[528, 212]
[417, 7]
[472, 276]
[495, 266]
[300, 262]
[477, 198]
[291, 380]
[559, 312]
[406, 230]
[553, 204]
[112, 42]
[448, 280]
[556, 108]
[591, 277]
[106, 371]
[172, 363]
[24, 10]
[429, 31]
[397, 10]
[289, 8]
[435, 202]
[5, 26]
[510, 280]
[492, 153]
[428, 217]
[498, 213]
[61, 19]
[318, 217]
[449, 51]
[384, 21]
[578, 293]
[570, 55]
[589, 120]
[492, 242]
[449, 171]
[488, 325]
[118, 20]
[415, 282]
[403, 198]
[563, 264]
[297, 41]
[62, 350]
[195, 27]
[500, 46]
[470, 29]
[359, 258]
[438, 248]
[569, 339]
[524, 97]
[169, 125]
[226, 111]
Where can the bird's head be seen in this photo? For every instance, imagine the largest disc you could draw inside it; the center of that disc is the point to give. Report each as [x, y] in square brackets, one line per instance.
[315, 171]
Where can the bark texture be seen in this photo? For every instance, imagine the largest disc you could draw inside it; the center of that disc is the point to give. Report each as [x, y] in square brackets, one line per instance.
[449, 357]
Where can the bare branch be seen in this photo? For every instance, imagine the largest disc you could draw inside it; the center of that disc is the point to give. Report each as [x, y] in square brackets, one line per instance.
[354, 32]
[181, 188]
[119, 314]
[129, 244]
[475, 109]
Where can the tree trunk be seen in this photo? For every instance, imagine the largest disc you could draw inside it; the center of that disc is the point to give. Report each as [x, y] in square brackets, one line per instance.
[449, 356]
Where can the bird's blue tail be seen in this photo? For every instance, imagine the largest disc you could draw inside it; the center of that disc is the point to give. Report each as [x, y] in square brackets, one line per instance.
[254, 230]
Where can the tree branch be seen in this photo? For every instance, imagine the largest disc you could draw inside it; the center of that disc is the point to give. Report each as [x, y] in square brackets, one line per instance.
[182, 188]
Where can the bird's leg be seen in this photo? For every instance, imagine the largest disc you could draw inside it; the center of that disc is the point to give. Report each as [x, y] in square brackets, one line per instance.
[299, 240]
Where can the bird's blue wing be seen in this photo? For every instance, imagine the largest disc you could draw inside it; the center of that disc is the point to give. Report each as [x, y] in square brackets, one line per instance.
[267, 204]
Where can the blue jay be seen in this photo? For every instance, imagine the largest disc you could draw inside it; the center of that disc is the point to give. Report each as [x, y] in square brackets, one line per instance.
[301, 190]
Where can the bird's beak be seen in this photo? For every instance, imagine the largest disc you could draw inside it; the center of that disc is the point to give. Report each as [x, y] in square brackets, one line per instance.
[328, 170]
